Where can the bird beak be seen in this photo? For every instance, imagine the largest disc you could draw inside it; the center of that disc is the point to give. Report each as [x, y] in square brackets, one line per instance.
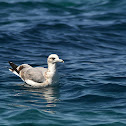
[60, 60]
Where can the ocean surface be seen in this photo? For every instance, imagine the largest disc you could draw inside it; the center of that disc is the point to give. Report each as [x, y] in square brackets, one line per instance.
[90, 36]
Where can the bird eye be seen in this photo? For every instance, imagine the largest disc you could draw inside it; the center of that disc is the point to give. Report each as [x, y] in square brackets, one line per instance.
[53, 58]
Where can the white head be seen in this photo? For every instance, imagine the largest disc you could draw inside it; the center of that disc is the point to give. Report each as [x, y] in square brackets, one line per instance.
[54, 58]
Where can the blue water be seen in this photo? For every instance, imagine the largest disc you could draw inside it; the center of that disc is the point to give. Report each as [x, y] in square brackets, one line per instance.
[90, 36]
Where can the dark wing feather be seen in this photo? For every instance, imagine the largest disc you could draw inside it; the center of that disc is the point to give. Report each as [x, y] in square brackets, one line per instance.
[14, 66]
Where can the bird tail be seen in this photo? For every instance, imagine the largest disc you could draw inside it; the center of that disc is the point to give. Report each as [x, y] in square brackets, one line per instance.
[14, 68]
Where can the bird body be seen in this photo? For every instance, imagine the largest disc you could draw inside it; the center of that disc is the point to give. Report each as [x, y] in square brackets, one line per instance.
[38, 76]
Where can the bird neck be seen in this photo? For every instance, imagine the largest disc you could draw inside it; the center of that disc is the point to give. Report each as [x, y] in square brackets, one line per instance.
[52, 67]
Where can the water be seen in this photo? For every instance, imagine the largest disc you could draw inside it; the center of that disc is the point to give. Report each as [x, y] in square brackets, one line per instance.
[89, 35]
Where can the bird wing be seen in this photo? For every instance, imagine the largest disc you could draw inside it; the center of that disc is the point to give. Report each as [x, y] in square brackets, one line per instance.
[35, 74]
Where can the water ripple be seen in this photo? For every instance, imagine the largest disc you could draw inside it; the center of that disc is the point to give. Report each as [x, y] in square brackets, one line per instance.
[89, 36]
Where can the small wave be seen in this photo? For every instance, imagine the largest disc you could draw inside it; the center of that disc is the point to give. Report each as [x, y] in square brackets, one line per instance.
[54, 4]
[91, 98]
[27, 115]
[110, 87]
[117, 78]
[111, 124]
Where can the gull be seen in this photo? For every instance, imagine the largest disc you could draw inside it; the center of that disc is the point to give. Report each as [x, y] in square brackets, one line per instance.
[38, 76]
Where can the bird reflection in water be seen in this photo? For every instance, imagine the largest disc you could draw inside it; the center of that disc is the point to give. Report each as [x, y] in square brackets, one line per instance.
[41, 98]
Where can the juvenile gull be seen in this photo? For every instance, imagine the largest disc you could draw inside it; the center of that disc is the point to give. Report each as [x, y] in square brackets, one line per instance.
[38, 76]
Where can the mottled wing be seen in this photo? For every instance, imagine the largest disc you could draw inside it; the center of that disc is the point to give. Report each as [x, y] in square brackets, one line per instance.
[35, 74]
